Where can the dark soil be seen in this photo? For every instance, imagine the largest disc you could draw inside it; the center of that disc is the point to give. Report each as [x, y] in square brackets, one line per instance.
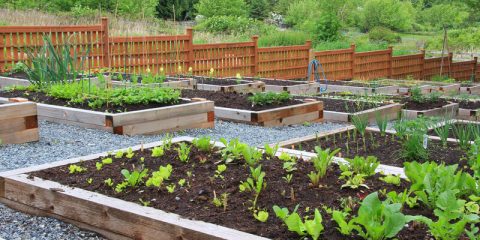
[388, 151]
[421, 106]
[232, 100]
[194, 200]
[41, 97]
[468, 104]
[347, 106]
[218, 81]
[452, 133]
[280, 82]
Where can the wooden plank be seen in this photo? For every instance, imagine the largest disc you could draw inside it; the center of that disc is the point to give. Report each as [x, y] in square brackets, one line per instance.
[147, 115]
[295, 119]
[283, 112]
[233, 114]
[52, 112]
[8, 82]
[173, 123]
[17, 110]
[23, 136]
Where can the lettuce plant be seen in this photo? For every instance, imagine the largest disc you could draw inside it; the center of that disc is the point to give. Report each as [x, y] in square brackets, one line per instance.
[311, 227]
[375, 219]
[183, 151]
[255, 183]
[233, 150]
[203, 144]
[270, 151]
[321, 162]
[159, 176]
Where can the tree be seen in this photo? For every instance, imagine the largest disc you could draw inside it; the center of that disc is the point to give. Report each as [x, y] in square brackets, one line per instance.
[444, 16]
[210, 8]
[184, 9]
[394, 14]
[258, 9]
[326, 27]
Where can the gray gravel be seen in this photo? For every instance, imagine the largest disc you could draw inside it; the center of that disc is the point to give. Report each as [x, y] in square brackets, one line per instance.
[59, 142]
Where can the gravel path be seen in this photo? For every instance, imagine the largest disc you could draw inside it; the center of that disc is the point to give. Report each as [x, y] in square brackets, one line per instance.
[59, 142]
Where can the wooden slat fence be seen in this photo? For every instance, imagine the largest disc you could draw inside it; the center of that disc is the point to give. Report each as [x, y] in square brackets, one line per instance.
[463, 71]
[289, 62]
[15, 40]
[373, 64]
[337, 64]
[176, 54]
[408, 66]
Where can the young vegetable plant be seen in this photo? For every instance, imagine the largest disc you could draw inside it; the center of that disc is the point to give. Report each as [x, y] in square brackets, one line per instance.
[452, 217]
[391, 179]
[220, 169]
[443, 132]
[158, 151]
[321, 162]
[269, 98]
[158, 177]
[270, 151]
[203, 144]
[222, 201]
[132, 179]
[183, 151]
[361, 123]
[311, 227]
[254, 183]
[233, 150]
[252, 156]
[382, 122]
[260, 215]
[375, 220]
[72, 169]
[105, 161]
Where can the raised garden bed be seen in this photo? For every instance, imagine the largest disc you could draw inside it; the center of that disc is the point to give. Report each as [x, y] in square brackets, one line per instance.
[469, 129]
[343, 110]
[438, 108]
[386, 148]
[18, 122]
[50, 190]
[358, 87]
[470, 89]
[138, 119]
[237, 108]
[469, 110]
[13, 81]
[228, 85]
[290, 86]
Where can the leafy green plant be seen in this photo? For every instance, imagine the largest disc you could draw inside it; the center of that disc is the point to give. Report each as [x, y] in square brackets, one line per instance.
[251, 155]
[429, 180]
[203, 143]
[286, 157]
[171, 188]
[233, 150]
[416, 95]
[158, 177]
[158, 151]
[361, 165]
[270, 152]
[72, 169]
[220, 169]
[391, 179]
[105, 161]
[311, 227]
[269, 98]
[135, 177]
[375, 220]
[254, 183]
[222, 201]
[402, 198]
[321, 162]
[261, 215]
[108, 182]
[183, 151]
[451, 215]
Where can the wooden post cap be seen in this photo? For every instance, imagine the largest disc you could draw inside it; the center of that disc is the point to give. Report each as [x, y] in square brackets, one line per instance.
[199, 99]
[18, 99]
[310, 100]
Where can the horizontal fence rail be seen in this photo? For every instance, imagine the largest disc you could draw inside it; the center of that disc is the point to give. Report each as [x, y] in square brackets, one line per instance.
[178, 55]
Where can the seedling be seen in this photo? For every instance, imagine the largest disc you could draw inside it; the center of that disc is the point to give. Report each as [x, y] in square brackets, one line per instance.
[294, 222]
[158, 177]
[158, 151]
[222, 201]
[261, 215]
[167, 141]
[391, 179]
[321, 162]
[144, 203]
[130, 153]
[270, 151]
[181, 182]
[90, 180]
[203, 144]
[135, 177]
[254, 183]
[119, 154]
[220, 169]
[106, 161]
[183, 151]
[72, 169]
[288, 178]
[171, 188]
[108, 182]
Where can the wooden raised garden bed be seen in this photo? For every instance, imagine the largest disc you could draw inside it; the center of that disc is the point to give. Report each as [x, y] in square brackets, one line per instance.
[228, 85]
[470, 89]
[469, 110]
[169, 81]
[386, 148]
[358, 88]
[18, 122]
[449, 110]
[9, 81]
[117, 216]
[300, 87]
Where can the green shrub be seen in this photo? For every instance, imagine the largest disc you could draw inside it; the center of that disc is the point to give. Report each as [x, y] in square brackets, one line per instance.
[233, 25]
[326, 28]
[232, 8]
[382, 34]
[283, 38]
[301, 11]
[444, 15]
[258, 9]
[393, 14]
[458, 39]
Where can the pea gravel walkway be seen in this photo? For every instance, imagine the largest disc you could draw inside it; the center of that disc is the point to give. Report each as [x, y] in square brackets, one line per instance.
[59, 142]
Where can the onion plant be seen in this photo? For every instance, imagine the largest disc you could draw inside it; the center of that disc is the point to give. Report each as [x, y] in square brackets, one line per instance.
[443, 132]
[53, 64]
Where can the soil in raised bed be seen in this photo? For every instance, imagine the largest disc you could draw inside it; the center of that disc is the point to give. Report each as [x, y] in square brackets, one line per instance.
[421, 106]
[23, 75]
[346, 106]
[282, 82]
[468, 104]
[233, 100]
[40, 97]
[219, 81]
[353, 84]
[452, 134]
[387, 150]
[194, 199]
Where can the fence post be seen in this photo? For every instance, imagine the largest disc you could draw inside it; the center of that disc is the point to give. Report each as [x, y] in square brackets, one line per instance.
[190, 61]
[352, 46]
[255, 56]
[422, 72]
[474, 73]
[311, 56]
[450, 61]
[106, 43]
[390, 62]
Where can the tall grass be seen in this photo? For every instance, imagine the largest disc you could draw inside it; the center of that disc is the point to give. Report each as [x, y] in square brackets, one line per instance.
[359, 46]
[283, 38]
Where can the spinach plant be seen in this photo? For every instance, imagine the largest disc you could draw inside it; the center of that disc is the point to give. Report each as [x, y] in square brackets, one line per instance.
[203, 144]
[321, 162]
[311, 227]
[255, 183]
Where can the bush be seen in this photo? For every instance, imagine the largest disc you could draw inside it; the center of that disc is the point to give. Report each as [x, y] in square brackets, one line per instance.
[382, 34]
[258, 9]
[301, 11]
[466, 39]
[231, 8]
[326, 28]
[285, 38]
[232, 25]
[444, 15]
[393, 14]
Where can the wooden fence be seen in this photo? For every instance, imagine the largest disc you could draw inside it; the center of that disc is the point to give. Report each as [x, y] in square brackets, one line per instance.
[177, 54]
